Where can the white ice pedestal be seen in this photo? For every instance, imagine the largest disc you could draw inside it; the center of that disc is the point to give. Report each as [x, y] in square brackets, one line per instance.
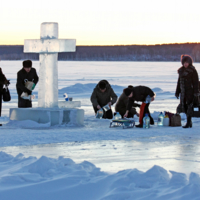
[54, 116]
[69, 104]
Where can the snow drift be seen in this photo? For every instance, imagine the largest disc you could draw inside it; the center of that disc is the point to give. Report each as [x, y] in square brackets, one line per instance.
[62, 178]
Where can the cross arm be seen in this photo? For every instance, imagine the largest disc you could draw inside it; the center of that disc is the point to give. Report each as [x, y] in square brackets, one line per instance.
[49, 46]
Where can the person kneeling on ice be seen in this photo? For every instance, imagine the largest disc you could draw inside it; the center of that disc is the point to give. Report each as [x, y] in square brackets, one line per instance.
[103, 95]
[122, 104]
[139, 93]
[27, 79]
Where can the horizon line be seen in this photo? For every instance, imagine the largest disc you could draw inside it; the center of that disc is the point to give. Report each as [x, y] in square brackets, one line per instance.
[117, 44]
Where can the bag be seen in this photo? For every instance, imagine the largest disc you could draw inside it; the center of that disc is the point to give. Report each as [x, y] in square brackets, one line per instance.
[6, 94]
[193, 111]
[176, 120]
[196, 111]
[194, 108]
[170, 116]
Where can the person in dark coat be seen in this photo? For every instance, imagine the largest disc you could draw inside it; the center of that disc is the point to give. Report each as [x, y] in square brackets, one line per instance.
[187, 87]
[122, 103]
[27, 73]
[102, 95]
[3, 81]
[139, 93]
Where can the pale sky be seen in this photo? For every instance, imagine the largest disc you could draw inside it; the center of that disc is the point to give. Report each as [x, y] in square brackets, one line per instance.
[103, 22]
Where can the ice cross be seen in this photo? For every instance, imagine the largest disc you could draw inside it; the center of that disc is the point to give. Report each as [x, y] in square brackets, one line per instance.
[48, 47]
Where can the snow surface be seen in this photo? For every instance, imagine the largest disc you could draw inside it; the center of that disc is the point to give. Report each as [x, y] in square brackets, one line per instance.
[99, 162]
[62, 178]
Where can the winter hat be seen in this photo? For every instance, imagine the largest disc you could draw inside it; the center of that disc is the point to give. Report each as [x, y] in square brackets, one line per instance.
[27, 64]
[102, 85]
[127, 91]
[186, 58]
[130, 86]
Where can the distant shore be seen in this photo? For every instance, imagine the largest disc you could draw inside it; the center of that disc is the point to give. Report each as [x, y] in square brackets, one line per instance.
[164, 52]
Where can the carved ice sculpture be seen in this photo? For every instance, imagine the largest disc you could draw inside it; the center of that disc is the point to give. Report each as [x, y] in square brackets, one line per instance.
[48, 47]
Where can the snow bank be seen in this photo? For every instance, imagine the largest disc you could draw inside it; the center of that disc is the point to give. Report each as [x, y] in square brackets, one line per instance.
[62, 178]
[79, 88]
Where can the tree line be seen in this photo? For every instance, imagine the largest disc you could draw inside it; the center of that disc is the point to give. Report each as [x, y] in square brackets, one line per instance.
[164, 52]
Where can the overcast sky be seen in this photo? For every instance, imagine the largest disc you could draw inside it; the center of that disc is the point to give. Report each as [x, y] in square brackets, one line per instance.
[103, 22]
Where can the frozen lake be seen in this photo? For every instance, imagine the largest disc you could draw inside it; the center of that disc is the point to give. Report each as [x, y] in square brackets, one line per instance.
[95, 161]
[110, 152]
[114, 156]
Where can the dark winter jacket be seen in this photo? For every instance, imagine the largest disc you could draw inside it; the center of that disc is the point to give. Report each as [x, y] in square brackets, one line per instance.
[103, 98]
[187, 86]
[22, 77]
[188, 83]
[122, 103]
[139, 94]
[3, 80]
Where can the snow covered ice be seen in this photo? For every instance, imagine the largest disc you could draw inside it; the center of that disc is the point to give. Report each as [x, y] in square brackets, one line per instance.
[98, 162]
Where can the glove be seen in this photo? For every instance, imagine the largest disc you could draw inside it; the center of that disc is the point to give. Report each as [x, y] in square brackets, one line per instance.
[177, 96]
[33, 87]
[28, 91]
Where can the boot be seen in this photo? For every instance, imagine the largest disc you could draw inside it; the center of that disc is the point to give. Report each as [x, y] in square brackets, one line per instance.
[189, 122]
[139, 126]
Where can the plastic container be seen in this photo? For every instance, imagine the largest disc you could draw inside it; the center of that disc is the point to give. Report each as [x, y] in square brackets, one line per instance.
[99, 114]
[166, 120]
[66, 97]
[117, 116]
[146, 121]
[160, 119]
[106, 108]
[148, 99]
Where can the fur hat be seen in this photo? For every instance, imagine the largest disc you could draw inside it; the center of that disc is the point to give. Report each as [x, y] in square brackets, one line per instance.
[130, 86]
[102, 85]
[127, 91]
[27, 64]
[186, 58]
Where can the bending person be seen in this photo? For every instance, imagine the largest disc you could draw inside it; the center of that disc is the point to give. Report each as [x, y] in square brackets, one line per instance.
[27, 73]
[187, 87]
[102, 95]
[139, 93]
[122, 104]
